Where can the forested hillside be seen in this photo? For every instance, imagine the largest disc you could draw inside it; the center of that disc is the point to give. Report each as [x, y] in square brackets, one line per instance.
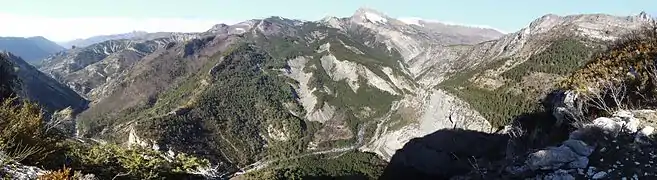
[524, 85]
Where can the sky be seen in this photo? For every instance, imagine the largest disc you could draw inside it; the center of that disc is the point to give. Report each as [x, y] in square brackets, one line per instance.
[63, 20]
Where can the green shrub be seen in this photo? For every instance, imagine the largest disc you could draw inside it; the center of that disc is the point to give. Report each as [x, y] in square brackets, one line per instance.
[62, 174]
[24, 136]
[135, 163]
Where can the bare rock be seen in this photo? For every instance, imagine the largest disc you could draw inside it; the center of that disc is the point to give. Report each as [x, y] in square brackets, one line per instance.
[580, 163]
[608, 125]
[551, 158]
[579, 147]
[643, 136]
[559, 175]
[599, 175]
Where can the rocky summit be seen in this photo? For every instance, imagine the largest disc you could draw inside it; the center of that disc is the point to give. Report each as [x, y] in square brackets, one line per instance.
[366, 96]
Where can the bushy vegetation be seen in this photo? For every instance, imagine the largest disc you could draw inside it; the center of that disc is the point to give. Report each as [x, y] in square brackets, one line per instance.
[631, 56]
[351, 165]
[24, 136]
[62, 174]
[132, 163]
[623, 76]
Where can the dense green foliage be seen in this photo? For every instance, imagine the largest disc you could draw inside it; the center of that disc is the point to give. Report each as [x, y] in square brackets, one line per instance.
[624, 76]
[23, 134]
[242, 100]
[562, 57]
[351, 165]
[499, 106]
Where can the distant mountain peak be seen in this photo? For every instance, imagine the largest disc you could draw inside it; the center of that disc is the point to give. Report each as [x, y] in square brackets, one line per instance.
[32, 49]
[644, 16]
[364, 14]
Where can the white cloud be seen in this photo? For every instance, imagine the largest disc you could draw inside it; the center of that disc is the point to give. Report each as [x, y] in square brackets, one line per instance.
[65, 29]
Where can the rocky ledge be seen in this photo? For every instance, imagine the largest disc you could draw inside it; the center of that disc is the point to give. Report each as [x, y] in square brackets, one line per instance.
[616, 147]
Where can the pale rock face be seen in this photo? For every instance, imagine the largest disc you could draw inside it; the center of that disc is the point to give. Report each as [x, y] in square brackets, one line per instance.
[350, 71]
[135, 140]
[407, 46]
[332, 22]
[375, 17]
[441, 110]
[399, 82]
[326, 113]
[355, 50]
[306, 97]
[341, 70]
[445, 111]
[278, 134]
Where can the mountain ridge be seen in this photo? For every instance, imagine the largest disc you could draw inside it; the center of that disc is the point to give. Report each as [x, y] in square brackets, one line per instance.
[367, 81]
[32, 49]
[38, 87]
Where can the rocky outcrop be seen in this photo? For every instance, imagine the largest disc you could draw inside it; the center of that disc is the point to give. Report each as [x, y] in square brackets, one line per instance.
[439, 110]
[608, 147]
[135, 140]
[13, 170]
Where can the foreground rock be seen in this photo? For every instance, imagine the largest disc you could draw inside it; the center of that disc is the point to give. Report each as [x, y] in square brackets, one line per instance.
[614, 147]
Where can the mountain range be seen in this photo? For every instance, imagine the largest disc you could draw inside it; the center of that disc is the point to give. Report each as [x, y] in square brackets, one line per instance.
[32, 49]
[101, 38]
[250, 94]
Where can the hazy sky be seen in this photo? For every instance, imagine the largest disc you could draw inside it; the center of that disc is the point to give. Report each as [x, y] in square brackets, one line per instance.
[61, 20]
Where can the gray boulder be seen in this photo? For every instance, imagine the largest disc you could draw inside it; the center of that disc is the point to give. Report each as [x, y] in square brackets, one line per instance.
[579, 147]
[580, 163]
[551, 158]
